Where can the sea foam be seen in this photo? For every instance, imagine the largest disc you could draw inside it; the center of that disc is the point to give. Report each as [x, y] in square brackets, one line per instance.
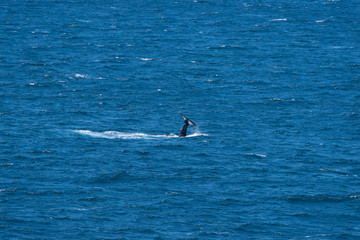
[125, 135]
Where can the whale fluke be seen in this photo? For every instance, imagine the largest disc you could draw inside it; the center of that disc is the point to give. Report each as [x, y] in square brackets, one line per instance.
[187, 122]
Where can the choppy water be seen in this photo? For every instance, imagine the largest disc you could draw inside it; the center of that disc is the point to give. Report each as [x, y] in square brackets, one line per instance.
[90, 95]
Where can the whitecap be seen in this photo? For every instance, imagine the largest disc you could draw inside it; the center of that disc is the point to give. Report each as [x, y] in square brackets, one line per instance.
[7, 164]
[276, 99]
[80, 75]
[278, 20]
[255, 155]
[147, 59]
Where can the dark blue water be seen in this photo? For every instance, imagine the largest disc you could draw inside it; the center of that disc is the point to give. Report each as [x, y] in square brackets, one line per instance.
[89, 98]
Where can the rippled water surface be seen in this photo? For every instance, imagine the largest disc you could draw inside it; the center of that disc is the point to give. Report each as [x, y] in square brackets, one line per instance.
[89, 98]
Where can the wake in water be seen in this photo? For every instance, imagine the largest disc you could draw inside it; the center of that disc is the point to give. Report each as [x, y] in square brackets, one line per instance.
[124, 135]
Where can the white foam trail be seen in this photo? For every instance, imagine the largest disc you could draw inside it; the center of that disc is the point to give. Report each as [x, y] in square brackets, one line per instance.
[197, 134]
[123, 135]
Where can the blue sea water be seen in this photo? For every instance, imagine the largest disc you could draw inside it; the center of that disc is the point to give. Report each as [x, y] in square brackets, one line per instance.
[89, 98]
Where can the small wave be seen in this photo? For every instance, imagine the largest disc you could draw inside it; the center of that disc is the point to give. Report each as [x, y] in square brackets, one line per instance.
[124, 135]
[229, 47]
[84, 21]
[320, 198]
[32, 84]
[256, 155]
[147, 59]
[80, 76]
[333, 171]
[115, 176]
[276, 99]
[278, 20]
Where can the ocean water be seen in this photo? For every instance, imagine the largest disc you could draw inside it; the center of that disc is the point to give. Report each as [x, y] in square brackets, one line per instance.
[89, 98]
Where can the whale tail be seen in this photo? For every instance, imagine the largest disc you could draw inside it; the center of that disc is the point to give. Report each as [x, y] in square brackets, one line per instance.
[188, 121]
[186, 124]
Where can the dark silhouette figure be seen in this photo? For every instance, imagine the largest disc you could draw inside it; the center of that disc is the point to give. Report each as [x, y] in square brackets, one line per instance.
[187, 122]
